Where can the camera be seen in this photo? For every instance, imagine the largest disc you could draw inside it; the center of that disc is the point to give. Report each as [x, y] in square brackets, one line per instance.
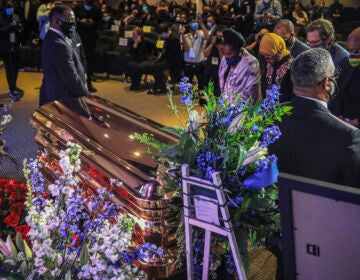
[219, 40]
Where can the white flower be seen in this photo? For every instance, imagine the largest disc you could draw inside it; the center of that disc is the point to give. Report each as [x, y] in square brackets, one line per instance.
[67, 190]
[194, 121]
[54, 190]
[5, 119]
[254, 154]
[237, 123]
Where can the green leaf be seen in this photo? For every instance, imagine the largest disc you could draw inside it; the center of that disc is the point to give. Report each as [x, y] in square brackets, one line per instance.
[19, 242]
[84, 255]
[172, 130]
[27, 250]
[241, 157]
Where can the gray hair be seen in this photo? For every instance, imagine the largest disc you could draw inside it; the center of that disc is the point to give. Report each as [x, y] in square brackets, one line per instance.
[287, 24]
[311, 67]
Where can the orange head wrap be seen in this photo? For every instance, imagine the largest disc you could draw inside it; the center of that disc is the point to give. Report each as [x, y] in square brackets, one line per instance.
[272, 44]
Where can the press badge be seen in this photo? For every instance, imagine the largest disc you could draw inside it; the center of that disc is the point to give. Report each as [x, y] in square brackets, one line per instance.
[215, 60]
[192, 53]
[12, 37]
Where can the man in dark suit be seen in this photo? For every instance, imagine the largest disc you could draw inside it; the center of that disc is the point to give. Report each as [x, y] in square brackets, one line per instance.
[315, 143]
[10, 34]
[347, 104]
[286, 30]
[64, 74]
[88, 18]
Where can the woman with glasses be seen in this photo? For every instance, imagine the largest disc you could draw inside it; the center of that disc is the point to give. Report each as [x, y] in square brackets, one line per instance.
[278, 64]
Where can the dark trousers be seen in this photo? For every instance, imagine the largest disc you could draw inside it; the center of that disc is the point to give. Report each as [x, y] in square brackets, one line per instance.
[12, 66]
[212, 75]
[195, 69]
[158, 72]
[136, 69]
[89, 52]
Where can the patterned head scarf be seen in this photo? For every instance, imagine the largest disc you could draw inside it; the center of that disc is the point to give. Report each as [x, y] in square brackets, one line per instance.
[272, 44]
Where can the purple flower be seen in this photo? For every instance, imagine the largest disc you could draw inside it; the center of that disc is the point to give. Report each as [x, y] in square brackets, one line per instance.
[186, 99]
[270, 135]
[185, 86]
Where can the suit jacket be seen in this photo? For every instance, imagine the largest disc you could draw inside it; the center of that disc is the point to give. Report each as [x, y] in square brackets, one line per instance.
[347, 102]
[298, 48]
[316, 144]
[64, 74]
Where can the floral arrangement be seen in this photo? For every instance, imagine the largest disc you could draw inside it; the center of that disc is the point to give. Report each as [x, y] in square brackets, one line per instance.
[230, 138]
[74, 234]
[12, 208]
[5, 118]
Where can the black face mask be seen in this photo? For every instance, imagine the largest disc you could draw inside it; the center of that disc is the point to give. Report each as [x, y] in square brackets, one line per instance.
[68, 28]
[334, 89]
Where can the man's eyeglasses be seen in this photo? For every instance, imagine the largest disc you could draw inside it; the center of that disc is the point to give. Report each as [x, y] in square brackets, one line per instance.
[314, 43]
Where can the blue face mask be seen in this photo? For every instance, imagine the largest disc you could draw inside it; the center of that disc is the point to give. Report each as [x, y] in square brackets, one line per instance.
[233, 60]
[195, 26]
[144, 8]
[9, 11]
[87, 7]
[209, 25]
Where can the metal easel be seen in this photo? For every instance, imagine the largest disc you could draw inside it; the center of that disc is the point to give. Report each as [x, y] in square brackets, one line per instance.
[210, 223]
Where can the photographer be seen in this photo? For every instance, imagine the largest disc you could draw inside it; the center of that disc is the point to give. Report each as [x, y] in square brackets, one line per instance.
[252, 42]
[213, 52]
[193, 44]
[10, 35]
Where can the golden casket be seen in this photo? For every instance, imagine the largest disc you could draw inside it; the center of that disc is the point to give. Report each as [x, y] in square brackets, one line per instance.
[103, 130]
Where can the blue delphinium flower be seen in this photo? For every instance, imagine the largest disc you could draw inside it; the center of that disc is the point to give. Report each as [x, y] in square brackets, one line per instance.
[272, 158]
[241, 171]
[261, 164]
[187, 99]
[230, 264]
[270, 101]
[185, 86]
[270, 135]
[255, 128]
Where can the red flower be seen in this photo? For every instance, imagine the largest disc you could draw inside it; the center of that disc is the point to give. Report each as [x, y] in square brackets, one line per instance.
[45, 196]
[23, 230]
[12, 220]
[15, 196]
[75, 241]
[7, 188]
[17, 208]
[1, 201]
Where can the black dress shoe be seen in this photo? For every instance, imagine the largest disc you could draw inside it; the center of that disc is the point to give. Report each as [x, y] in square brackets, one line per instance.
[91, 88]
[19, 89]
[14, 95]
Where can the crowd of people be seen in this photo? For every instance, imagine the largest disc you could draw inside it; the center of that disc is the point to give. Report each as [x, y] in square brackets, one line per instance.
[194, 42]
